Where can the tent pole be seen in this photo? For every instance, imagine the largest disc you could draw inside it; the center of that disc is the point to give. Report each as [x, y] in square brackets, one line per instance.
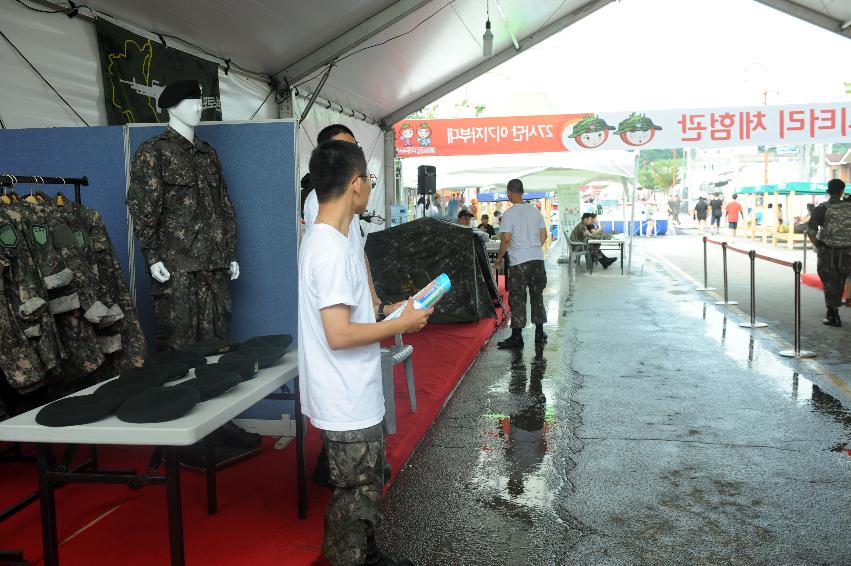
[632, 216]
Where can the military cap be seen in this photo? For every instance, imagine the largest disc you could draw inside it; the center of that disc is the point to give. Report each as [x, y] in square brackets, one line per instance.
[212, 347]
[174, 369]
[244, 362]
[192, 359]
[176, 91]
[266, 355]
[150, 375]
[588, 125]
[124, 388]
[212, 382]
[159, 404]
[78, 410]
[282, 340]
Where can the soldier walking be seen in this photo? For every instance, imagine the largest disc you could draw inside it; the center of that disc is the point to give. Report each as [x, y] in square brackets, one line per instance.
[830, 231]
[523, 233]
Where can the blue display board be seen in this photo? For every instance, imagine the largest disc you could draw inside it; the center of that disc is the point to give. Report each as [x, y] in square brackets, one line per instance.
[258, 163]
[96, 153]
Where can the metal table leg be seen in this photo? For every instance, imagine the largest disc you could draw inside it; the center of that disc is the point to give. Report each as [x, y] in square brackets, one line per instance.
[175, 514]
[210, 473]
[299, 452]
[48, 506]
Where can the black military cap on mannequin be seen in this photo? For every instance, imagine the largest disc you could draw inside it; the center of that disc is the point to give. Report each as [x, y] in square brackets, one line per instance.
[177, 91]
[212, 382]
[243, 362]
[158, 405]
[78, 410]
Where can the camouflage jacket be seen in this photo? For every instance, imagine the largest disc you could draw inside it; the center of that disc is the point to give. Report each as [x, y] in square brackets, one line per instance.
[182, 214]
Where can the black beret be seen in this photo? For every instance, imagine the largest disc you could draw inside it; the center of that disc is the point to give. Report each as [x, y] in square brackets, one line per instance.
[77, 410]
[212, 347]
[192, 359]
[266, 355]
[124, 388]
[177, 91]
[280, 340]
[173, 369]
[212, 382]
[153, 376]
[243, 362]
[158, 405]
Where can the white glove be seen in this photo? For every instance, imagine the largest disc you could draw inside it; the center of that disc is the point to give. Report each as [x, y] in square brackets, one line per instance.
[159, 272]
[234, 270]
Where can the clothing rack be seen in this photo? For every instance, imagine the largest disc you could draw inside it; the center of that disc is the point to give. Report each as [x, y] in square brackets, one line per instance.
[13, 453]
[7, 180]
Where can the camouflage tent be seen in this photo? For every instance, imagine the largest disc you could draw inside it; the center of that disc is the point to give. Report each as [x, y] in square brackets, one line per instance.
[405, 258]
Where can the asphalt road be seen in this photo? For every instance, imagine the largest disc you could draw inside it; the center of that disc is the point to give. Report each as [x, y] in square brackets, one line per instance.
[651, 429]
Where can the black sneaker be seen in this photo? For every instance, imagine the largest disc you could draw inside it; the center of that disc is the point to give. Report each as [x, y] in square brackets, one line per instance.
[510, 343]
[607, 261]
[832, 318]
[230, 434]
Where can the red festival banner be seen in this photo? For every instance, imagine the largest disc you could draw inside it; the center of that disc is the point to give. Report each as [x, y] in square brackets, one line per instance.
[656, 129]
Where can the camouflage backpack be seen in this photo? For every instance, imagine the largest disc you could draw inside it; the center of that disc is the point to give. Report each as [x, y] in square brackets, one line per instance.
[836, 232]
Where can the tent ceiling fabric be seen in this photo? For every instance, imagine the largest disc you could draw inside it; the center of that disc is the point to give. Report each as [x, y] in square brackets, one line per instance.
[269, 36]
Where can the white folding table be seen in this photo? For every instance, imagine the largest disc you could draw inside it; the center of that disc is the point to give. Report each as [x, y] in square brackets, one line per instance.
[607, 245]
[167, 437]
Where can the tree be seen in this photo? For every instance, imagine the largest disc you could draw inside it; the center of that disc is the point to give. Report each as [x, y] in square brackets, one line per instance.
[427, 113]
[657, 174]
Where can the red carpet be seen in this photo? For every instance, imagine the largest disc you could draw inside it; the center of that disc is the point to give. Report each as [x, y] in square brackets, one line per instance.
[257, 521]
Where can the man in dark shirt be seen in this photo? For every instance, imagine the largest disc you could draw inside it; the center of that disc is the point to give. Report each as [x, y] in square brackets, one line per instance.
[830, 231]
[700, 209]
[717, 205]
[486, 227]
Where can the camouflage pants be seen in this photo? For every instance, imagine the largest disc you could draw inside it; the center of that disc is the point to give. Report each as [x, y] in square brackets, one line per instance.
[834, 267]
[529, 274]
[357, 462]
[190, 307]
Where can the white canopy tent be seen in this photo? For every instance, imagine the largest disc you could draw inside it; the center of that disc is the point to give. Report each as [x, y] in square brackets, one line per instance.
[387, 58]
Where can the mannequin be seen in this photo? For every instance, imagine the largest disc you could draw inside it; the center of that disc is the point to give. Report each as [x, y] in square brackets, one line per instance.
[183, 118]
[185, 224]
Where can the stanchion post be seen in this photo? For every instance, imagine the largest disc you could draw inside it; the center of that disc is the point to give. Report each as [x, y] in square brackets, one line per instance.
[797, 352]
[806, 237]
[726, 300]
[753, 323]
[706, 286]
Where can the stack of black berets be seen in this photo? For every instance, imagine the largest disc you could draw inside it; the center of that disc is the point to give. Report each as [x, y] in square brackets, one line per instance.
[78, 410]
[269, 349]
[243, 361]
[211, 381]
[191, 359]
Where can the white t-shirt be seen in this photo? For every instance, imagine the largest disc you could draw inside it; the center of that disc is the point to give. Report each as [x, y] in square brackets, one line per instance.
[311, 211]
[524, 222]
[340, 389]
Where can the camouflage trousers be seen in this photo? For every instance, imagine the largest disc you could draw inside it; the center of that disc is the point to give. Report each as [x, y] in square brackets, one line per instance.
[834, 267]
[531, 275]
[357, 460]
[190, 307]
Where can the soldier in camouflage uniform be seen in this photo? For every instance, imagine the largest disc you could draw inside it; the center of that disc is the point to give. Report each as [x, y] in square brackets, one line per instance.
[582, 233]
[523, 233]
[830, 231]
[184, 219]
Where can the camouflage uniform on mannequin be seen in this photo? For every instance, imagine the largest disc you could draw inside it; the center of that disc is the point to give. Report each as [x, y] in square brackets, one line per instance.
[830, 231]
[186, 226]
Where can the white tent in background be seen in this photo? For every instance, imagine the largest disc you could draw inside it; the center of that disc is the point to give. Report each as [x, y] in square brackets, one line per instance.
[539, 172]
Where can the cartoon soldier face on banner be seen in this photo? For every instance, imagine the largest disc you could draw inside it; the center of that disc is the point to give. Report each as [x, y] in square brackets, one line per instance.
[405, 134]
[637, 130]
[589, 132]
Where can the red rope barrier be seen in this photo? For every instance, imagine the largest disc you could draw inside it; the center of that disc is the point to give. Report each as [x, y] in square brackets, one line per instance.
[732, 249]
[713, 242]
[775, 260]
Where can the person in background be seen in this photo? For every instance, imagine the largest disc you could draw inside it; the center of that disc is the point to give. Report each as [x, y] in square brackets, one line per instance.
[717, 206]
[734, 213]
[700, 209]
[769, 219]
[339, 358]
[674, 204]
[650, 216]
[582, 232]
[830, 232]
[523, 232]
[474, 207]
[801, 222]
[465, 217]
[486, 227]
[496, 217]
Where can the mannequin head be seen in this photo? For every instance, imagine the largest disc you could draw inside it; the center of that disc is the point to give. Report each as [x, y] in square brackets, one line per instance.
[183, 101]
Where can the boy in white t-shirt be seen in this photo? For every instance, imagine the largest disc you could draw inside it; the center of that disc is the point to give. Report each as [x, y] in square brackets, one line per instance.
[339, 358]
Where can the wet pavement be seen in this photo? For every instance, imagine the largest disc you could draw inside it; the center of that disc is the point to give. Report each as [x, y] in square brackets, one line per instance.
[649, 430]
